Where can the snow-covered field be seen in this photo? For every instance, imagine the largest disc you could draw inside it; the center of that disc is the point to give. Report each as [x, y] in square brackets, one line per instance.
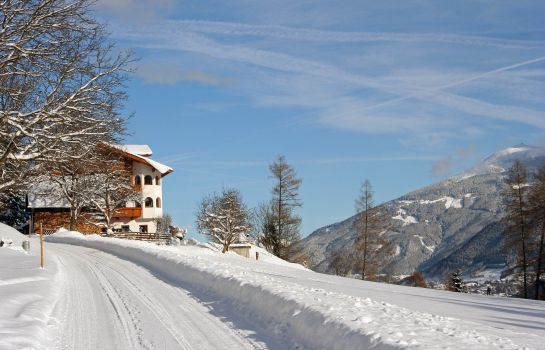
[134, 294]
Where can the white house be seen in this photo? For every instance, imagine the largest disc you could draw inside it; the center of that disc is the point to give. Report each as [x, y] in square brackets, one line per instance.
[147, 177]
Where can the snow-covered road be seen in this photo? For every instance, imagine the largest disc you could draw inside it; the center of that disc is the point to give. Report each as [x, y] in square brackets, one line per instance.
[105, 293]
[110, 303]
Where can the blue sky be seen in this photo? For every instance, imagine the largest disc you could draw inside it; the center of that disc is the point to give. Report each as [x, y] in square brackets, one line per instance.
[403, 93]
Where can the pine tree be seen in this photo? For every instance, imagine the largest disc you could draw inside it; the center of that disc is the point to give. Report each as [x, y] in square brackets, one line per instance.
[14, 212]
[457, 281]
[371, 225]
[285, 198]
[517, 230]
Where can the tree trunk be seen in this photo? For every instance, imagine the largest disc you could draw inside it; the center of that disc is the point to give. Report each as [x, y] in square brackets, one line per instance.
[523, 241]
[540, 257]
[73, 219]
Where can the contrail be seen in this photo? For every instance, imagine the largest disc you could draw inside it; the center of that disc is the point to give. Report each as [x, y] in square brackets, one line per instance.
[456, 83]
[290, 33]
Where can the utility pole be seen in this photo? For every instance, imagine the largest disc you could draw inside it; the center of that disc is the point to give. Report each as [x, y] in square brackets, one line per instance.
[41, 246]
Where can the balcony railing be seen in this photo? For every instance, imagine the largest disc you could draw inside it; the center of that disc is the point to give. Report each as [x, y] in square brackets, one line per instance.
[128, 212]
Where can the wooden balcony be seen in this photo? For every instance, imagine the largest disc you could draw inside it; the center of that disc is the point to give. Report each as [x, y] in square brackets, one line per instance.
[128, 212]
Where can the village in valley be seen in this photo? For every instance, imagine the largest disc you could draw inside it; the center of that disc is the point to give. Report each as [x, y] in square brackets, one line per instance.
[210, 175]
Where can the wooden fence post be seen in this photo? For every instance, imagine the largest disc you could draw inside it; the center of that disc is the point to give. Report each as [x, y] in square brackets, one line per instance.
[41, 246]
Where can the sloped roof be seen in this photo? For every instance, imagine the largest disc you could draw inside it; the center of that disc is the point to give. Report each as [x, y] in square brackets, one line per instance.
[140, 154]
[141, 150]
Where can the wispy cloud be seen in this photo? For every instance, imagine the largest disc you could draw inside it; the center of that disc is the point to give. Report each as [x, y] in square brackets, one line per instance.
[305, 34]
[342, 92]
[445, 165]
[135, 10]
[166, 72]
[365, 159]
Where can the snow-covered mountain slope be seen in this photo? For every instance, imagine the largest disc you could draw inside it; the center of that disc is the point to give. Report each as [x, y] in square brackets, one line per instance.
[448, 225]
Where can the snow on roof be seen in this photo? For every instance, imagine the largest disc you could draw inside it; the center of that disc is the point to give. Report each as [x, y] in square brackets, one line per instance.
[141, 152]
[163, 169]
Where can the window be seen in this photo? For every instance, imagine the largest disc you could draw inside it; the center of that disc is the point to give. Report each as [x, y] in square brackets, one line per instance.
[148, 203]
[144, 228]
[157, 180]
[137, 180]
[158, 202]
[125, 228]
[148, 180]
[137, 204]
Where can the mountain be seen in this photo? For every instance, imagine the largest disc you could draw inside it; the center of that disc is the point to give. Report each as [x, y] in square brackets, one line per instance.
[455, 223]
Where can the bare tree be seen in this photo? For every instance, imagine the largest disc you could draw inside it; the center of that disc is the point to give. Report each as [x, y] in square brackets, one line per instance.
[72, 183]
[517, 230]
[223, 218]
[164, 224]
[536, 200]
[263, 226]
[371, 224]
[342, 262]
[60, 85]
[285, 199]
[112, 187]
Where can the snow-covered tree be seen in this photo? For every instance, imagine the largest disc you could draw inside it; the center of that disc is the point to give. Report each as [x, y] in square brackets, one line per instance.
[14, 213]
[164, 224]
[60, 84]
[223, 218]
[112, 187]
[98, 185]
[454, 282]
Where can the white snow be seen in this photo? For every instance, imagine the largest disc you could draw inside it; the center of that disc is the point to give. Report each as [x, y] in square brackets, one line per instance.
[311, 310]
[431, 248]
[142, 152]
[516, 187]
[27, 294]
[168, 297]
[407, 219]
[487, 275]
[511, 150]
[450, 202]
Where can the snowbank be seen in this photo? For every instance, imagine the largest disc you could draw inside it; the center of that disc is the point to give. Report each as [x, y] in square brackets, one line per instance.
[310, 317]
[27, 294]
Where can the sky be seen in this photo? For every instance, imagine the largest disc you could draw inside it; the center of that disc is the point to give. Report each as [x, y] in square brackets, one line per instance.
[403, 93]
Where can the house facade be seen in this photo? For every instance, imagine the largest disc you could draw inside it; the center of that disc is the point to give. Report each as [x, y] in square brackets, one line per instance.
[147, 178]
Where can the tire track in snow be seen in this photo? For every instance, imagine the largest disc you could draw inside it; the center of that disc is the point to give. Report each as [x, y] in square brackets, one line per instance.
[137, 309]
[184, 322]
